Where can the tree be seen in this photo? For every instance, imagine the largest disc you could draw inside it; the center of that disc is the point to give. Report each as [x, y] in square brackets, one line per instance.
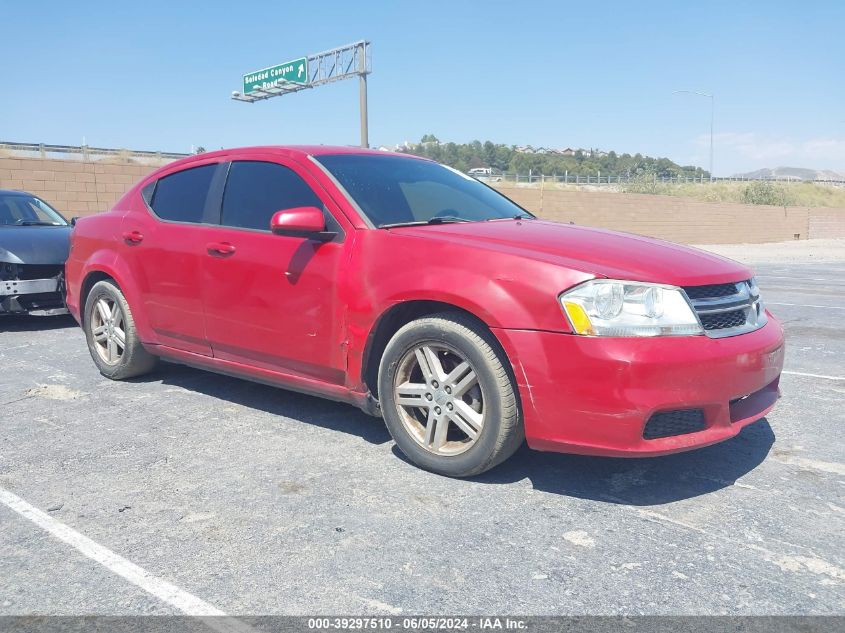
[490, 154]
[464, 156]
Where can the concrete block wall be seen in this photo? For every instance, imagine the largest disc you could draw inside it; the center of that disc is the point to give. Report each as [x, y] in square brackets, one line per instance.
[827, 223]
[83, 188]
[73, 187]
[676, 219]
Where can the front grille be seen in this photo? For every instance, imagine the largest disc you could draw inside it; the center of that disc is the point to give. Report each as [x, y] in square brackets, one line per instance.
[711, 292]
[727, 309]
[669, 423]
[8, 272]
[25, 272]
[38, 271]
[41, 301]
[722, 320]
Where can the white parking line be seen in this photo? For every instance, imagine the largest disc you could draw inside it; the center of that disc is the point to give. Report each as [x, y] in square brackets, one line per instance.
[161, 589]
[803, 305]
[801, 373]
[824, 279]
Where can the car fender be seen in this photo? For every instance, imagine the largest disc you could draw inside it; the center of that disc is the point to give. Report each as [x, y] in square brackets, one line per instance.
[361, 345]
[516, 294]
[480, 298]
[109, 262]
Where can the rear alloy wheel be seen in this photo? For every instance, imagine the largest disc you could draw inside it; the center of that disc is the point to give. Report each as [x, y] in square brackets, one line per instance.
[447, 396]
[111, 335]
[107, 330]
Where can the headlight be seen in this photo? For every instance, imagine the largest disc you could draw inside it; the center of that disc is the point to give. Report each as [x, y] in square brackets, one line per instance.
[606, 307]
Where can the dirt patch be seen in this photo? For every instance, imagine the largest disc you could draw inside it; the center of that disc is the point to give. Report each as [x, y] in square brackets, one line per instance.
[291, 487]
[54, 392]
[580, 538]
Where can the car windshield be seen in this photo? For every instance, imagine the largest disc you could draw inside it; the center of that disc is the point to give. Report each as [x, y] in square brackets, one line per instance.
[24, 210]
[394, 191]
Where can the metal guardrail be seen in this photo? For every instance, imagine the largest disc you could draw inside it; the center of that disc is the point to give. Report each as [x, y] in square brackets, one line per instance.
[83, 152]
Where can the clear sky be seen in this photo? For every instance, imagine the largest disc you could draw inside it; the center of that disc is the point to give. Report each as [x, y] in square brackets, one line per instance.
[158, 75]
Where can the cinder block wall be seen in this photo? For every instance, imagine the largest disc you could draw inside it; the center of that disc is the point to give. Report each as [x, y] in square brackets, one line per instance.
[675, 219]
[74, 187]
[827, 223]
[83, 188]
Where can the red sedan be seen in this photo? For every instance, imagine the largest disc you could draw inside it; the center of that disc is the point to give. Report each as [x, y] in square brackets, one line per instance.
[421, 295]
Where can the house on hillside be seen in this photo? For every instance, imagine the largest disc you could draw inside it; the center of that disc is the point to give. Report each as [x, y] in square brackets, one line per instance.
[567, 152]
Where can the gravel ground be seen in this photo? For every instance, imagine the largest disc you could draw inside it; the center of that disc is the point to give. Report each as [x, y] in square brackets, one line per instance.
[261, 501]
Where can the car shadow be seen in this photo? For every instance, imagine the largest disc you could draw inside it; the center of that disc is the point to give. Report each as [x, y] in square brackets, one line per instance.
[274, 400]
[26, 323]
[643, 481]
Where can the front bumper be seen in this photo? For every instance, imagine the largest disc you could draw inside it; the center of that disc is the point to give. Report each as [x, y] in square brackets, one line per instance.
[40, 297]
[593, 395]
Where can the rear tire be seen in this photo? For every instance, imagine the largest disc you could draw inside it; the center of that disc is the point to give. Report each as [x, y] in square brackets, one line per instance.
[111, 334]
[448, 396]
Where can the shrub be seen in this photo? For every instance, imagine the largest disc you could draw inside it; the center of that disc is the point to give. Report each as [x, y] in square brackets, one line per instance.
[764, 192]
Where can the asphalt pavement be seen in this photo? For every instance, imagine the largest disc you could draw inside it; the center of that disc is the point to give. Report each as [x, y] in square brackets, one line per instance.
[254, 500]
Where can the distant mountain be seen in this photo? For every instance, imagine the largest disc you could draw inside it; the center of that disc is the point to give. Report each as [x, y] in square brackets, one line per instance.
[793, 173]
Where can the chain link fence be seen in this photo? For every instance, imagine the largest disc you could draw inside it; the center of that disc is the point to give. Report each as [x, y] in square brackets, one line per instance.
[598, 179]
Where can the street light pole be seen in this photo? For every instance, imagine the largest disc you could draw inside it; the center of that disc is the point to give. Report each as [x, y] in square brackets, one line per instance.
[712, 112]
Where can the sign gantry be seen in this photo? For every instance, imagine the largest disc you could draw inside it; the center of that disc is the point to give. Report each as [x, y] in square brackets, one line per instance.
[343, 62]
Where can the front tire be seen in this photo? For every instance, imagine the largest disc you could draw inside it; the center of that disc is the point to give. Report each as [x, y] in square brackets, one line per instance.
[448, 397]
[111, 334]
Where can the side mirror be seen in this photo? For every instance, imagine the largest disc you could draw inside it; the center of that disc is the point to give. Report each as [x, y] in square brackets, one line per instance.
[301, 222]
[73, 220]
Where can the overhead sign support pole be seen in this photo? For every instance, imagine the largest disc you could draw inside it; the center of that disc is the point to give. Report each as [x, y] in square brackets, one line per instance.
[329, 66]
[362, 83]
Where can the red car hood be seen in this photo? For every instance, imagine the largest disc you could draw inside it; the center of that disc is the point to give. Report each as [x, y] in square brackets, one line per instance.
[600, 252]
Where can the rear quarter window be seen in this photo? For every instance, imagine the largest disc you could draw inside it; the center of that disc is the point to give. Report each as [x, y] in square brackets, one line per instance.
[180, 197]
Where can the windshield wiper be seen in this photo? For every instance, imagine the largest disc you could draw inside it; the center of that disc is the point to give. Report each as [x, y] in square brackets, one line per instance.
[438, 219]
[35, 223]
[513, 217]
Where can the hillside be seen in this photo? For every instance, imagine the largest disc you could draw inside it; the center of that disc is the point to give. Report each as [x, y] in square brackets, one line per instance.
[508, 158]
[793, 173]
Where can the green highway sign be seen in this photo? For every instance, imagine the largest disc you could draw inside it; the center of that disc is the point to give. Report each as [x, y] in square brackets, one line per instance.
[295, 71]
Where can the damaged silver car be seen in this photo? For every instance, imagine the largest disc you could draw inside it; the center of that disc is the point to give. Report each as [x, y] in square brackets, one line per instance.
[34, 243]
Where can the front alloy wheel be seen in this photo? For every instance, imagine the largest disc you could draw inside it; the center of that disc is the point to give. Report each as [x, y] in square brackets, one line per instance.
[439, 399]
[448, 395]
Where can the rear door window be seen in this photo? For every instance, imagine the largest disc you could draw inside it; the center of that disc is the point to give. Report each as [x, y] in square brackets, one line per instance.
[180, 197]
[255, 190]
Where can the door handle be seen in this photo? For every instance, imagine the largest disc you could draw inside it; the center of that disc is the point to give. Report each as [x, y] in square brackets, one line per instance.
[220, 248]
[133, 237]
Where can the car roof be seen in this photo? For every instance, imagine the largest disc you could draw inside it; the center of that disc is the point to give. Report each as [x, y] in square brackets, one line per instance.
[290, 151]
[309, 150]
[15, 192]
